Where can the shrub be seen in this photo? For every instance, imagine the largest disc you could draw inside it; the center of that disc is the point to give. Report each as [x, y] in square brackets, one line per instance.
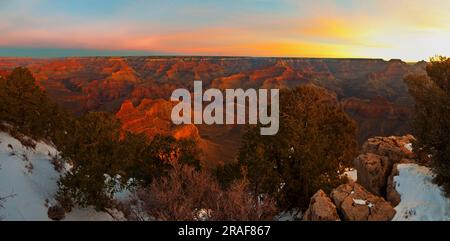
[188, 194]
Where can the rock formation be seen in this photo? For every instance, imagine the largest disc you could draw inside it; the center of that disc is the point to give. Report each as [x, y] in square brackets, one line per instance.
[321, 208]
[375, 164]
[373, 171]
[374, 196]
[372, 91]
[395, 148]
[152, 117]
[357, 204]
[352, 202]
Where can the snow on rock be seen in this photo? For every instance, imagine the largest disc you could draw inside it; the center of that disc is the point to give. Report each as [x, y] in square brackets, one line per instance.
[30, 181]
[421, 199]
[363, 202]
[409, 147]
[351, 174]
[359, 201]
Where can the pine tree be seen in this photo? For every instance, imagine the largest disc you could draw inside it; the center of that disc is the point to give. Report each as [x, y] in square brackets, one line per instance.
[432, 116]
[316, 140]
[92, 149]
[105, 159]
[28, 108]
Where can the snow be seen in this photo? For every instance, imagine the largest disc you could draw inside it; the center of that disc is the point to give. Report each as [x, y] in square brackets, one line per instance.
[363, 202]
[421, 199]
[351, 174]
[203, 214]
[290, 215]
[359, 201]
[88, 214]
[409, 147]
[29, 180]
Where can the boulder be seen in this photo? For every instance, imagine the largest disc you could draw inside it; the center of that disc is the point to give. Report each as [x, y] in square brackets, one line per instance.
[355, 203]
[373, 171]
[321, 208]
[56, 213]
[379, 154]
[395, 148]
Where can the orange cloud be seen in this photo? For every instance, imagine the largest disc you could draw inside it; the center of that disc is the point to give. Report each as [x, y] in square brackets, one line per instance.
[411, 30]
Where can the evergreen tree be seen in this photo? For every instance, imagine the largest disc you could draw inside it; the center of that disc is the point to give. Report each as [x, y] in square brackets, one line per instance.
[316, 140]
[105, 159]
[146, 160]
[431, 124]
[92, 150]
[28, 108]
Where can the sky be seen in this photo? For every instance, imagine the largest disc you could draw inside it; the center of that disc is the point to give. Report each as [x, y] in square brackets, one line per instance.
[411, 30]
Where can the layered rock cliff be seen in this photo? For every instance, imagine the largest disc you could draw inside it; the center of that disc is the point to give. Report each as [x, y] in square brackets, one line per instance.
[372, 91]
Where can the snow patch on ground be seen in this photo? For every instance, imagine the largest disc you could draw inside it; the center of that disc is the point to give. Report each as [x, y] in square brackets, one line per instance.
[421, 199]
[291, 215]
[30, 181]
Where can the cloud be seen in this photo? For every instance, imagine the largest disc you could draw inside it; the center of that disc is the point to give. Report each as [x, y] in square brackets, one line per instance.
[320, 28]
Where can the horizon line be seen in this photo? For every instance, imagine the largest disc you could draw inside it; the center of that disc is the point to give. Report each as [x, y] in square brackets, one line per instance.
[209, 56]
[55, 53]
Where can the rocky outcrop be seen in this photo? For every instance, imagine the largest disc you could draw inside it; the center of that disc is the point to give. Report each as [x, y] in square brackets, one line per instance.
[374, 195]
[373, 171]
[349, 202]
[379, 155]
[355, 203]
[321, 208]
[395, 148]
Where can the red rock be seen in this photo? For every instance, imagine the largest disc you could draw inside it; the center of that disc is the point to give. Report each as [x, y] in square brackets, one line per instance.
[357, 204]
[393, 147]
[373, 171]
[372, 90]
[152, 117]
[321, 208]
[376, 163]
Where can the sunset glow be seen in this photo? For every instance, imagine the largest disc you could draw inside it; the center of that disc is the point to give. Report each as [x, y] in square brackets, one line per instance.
[409, 30]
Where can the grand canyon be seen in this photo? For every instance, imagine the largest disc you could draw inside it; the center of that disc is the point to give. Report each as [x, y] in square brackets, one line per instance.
[228, 111]
[137, 90]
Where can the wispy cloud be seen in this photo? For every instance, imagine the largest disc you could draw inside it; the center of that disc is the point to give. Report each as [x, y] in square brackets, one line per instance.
[411, 30]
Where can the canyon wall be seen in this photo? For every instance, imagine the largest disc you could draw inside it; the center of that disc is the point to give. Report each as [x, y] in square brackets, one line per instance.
[372, 91]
